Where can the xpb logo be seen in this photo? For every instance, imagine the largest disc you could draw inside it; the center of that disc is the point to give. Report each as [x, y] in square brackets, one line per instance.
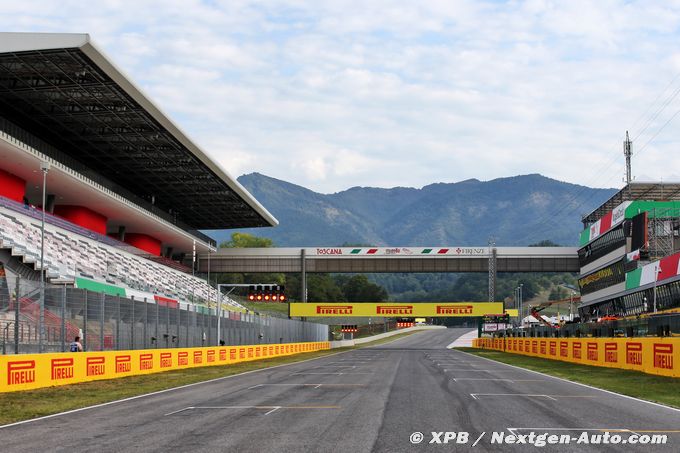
[62, 368]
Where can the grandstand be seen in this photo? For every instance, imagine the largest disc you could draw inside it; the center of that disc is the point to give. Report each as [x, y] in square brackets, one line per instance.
[128, 193]
[629, 253]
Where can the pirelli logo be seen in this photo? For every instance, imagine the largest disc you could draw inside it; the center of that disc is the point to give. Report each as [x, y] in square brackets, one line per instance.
[62, 368]
[258, 352]
[211, 356]
[527, 346]
[634, 353]
[454, 309]
[182, 358]
[20, 372]
[576, 350]
[663, 356]
[334, 309]
[592, 351]
[553, 348]
[166, 359]
[271, 350]
[95, 366]
[250, 353]
[198, 357]
[145, 362]
[394, 309]
[242, 353]
[534, 346]
[611, 352]
[223, 355]
[123, 363]
[564, 349]
[543, 347]
[232, 354]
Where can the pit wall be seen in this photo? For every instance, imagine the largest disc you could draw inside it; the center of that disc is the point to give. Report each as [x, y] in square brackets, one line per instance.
[649, 355]
[32, 371]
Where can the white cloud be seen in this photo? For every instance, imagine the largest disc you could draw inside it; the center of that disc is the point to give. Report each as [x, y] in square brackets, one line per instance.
[340, 93]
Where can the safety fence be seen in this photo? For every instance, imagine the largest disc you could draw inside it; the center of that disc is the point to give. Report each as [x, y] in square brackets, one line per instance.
[112, 322]
[648, 355]
[660, 325]
[34, 371]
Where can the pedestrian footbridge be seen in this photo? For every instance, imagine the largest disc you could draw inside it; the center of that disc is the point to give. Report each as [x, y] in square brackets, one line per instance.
[390, 259]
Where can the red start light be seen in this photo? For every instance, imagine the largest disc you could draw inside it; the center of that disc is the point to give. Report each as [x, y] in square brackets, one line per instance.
[266, 297]
[251, 297]
[275, 297]
[282, 297]
[259, 297]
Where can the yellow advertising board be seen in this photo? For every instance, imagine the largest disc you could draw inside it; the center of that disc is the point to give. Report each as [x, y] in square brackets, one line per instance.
[513, 312]
[393, 310]
[31, 371]
[649, 355]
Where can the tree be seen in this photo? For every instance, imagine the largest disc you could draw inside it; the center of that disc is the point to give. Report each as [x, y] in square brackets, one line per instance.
[545, 243]
[245, 240]
[359, 289]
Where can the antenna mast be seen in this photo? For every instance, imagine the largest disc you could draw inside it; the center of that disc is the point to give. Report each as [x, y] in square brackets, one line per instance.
[628, 153]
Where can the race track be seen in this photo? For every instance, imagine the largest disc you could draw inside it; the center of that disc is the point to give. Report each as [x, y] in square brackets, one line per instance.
[364, 400]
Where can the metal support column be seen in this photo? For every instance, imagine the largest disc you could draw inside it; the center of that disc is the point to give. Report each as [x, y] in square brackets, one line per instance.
[102, 300]
[303, 279]
[16, 315]
[63, 318]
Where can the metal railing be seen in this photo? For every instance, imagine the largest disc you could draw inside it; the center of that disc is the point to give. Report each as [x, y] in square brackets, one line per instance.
[665, 325]
[106, 322]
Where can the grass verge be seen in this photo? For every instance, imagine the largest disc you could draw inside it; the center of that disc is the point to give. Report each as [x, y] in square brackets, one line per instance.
[660, 389]
[17, 406]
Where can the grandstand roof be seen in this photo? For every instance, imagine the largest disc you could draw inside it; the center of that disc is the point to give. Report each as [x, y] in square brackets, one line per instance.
[65, 91]
[657, 191]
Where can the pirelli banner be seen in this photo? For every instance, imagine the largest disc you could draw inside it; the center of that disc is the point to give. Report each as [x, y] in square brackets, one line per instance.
[392, 310]
[649, 355]
[32, 371]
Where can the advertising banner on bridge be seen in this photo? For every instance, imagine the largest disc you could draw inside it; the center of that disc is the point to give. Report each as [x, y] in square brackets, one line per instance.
[394, 310]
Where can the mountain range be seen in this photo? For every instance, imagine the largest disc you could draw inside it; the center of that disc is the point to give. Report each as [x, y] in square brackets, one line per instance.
[517, 210]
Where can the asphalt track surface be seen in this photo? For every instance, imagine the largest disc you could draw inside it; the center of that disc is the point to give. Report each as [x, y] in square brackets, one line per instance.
[369, 399]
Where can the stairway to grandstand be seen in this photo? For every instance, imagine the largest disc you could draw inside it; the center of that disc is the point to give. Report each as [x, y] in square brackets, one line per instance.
[71, 254]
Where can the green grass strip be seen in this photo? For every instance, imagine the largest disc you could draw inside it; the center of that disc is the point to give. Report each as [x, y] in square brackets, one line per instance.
[650, 387]
[24, 405]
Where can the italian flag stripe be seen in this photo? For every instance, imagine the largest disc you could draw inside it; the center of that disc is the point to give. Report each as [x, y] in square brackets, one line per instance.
[442, 251]
[426, 251]
[372, 251]
[355, 251]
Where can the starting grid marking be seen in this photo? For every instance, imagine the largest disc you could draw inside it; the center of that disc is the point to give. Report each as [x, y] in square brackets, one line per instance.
[531, 395]
[334, 373]
[270, 409]
[316, 386]
[497, 379]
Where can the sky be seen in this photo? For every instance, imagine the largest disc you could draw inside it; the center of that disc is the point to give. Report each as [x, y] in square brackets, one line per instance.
[335, 94]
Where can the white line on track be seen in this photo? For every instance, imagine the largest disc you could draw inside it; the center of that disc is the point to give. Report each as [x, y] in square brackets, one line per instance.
[132, 398]
[337, 373]
[497, 379]
[316, 386]
[571, 382]
[551, 397]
